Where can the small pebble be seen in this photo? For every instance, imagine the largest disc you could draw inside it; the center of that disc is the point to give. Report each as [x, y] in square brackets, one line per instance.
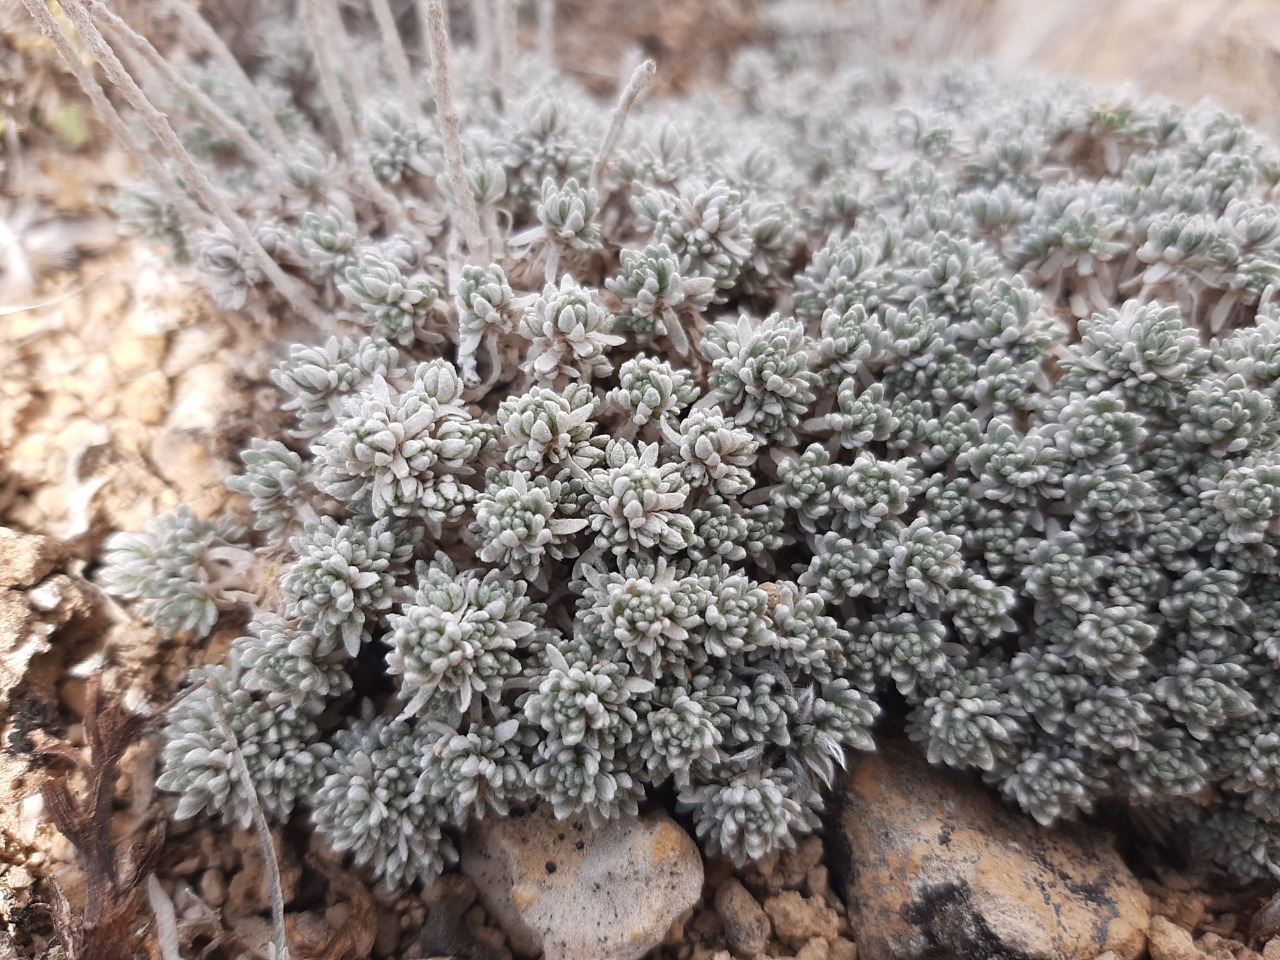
[797, 919]
[213, 888]
[45, 597]
[1168, 941]
[816, 949]
[746, 926]
[72, 695]
[387, 941]
[818, 884]
[337, 915]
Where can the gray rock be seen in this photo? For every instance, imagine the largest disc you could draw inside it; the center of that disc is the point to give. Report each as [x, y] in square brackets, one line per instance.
[934, 866]
[571, 892]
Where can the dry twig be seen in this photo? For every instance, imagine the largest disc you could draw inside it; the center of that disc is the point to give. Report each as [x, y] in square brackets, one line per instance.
[260, 825]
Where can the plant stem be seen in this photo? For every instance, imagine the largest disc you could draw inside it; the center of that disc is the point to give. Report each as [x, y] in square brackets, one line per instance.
[260, 826]
[637, 85]
[189, 213]
[464, 201]
[312, 19]
[262, 113]
[395, 51]
[505, 48]
[214, 115]
[298, 296]
[547, 31]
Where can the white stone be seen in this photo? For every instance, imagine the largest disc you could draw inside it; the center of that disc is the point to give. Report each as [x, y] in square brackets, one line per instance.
[571, 892]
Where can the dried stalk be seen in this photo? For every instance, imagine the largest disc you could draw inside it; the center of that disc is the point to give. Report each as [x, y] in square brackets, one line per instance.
[340, 48]
[505, 27]
[463, 200]
[260, 826]
[214, 115]
[330, 85]
[166, 920]
[395, 52]
[109, 925]
[639, 82]
[293, 291]
[312, 20]
[213, 44]
[420, 11]
[482, 24]
[547, 30]
[188, 212]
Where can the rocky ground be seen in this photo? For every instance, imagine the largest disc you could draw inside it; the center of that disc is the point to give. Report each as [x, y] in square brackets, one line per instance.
[124, 394]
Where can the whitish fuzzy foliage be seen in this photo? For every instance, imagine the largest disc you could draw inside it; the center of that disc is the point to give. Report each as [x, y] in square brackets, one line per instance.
[371, 802]
[175, 567]
[863, 381]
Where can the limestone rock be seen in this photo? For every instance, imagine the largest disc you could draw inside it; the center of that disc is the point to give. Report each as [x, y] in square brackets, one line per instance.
[572, 892]
[59, 615]
[145, 399]
[934, 866]
[746, 925]
[25, 559]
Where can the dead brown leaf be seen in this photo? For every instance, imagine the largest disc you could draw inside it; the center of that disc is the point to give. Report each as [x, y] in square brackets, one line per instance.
[111, 925]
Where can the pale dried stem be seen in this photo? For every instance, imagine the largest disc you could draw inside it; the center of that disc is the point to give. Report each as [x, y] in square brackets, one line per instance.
[330, 85]
[214, 115]
[166, 920]
[340, 47]
[188, 212]
[395, 51]
[313, 17]
[299, 298]
[204, 34]
[260, 825]
[420, 11]
[463, 200]
[482, 24]
[15, 177]
[639, 82]
[505, 25]
[547, 30]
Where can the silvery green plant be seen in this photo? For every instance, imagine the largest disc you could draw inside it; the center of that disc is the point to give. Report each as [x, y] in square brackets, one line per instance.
[174, 566]
[950, 394]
